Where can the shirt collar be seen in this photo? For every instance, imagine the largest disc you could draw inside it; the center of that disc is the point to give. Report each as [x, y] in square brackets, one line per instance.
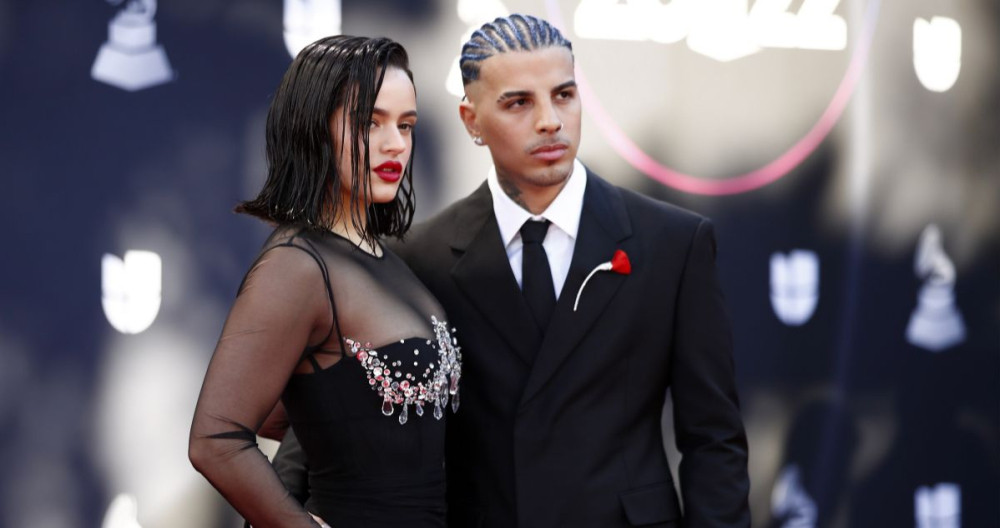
[564, 211]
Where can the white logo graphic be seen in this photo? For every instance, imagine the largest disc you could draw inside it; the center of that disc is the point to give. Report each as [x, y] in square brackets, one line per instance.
[720, 30]
[938, 507]
[131, 290]
[307, 21]
[790, 502]
[131, 59]
[122, 513]
[723, 30]
[474, 13]
[937, 52]
[794, 286]
[936, 323]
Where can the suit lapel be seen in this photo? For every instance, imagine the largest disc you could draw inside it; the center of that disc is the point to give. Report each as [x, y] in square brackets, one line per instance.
[483, 274]
[604, 225]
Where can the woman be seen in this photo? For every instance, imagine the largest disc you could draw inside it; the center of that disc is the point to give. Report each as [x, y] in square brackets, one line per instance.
[327, 319]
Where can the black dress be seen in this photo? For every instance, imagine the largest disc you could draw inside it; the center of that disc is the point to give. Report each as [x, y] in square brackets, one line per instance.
[367, 400]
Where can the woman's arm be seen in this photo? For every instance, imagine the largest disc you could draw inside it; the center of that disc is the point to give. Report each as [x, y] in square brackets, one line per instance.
[276, 424]
[280, 309]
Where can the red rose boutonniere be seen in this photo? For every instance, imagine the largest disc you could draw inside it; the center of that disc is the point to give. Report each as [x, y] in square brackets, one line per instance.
[619, 263]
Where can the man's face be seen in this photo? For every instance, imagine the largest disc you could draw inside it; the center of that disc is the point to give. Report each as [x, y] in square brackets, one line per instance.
[526, 108]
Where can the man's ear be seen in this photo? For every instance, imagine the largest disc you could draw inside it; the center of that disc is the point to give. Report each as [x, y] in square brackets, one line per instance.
[467, 112]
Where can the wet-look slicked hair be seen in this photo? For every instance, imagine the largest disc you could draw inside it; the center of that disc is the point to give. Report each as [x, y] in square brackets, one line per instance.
[514, 33]
[303, 180]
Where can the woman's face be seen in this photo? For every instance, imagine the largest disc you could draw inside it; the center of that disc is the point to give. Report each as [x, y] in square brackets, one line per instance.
[390, 138]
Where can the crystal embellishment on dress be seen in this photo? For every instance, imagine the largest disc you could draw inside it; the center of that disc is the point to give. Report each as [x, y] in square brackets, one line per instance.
[437, 385]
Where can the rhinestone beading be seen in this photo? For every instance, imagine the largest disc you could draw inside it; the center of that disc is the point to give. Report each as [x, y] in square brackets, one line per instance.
[438, 384]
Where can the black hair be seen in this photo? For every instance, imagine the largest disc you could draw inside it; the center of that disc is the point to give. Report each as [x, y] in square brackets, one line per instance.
[513, 33]
[303, 181]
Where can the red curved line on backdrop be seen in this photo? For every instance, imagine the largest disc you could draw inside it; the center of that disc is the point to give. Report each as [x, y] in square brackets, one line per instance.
[749, 181]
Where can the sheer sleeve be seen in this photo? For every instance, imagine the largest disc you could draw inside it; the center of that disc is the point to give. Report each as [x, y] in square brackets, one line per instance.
[282, 307]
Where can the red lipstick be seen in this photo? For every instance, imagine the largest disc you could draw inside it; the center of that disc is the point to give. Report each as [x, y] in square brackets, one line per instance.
[389, 171]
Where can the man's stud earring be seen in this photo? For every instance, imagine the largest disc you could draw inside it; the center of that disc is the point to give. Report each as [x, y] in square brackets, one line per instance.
[478, 140]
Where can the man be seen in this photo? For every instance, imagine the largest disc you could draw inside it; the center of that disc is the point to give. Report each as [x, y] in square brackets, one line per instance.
[563, 384]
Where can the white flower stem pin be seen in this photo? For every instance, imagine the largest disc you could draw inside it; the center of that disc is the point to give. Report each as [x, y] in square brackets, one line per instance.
[619, 263]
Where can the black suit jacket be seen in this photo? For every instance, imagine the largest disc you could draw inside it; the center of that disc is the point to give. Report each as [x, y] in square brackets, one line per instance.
[573, 436]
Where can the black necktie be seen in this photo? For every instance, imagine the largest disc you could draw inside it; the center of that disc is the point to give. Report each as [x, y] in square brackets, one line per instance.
[536, 276]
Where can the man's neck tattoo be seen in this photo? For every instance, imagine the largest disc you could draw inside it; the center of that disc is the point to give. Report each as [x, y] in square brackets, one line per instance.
[512, 191]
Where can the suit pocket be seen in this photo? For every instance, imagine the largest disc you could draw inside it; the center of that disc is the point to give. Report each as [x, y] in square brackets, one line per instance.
[651, 504]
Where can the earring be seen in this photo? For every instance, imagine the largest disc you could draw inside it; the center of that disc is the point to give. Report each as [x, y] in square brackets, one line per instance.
[478, 140]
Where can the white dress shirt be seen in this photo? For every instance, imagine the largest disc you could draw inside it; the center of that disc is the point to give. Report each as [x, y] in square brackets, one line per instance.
[560, 239]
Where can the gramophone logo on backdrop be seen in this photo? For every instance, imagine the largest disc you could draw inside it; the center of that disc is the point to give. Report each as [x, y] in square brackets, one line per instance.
[130, 290]
[938, 507]
[131, 59]
[307, 21]
[936, 323]
[794, 286]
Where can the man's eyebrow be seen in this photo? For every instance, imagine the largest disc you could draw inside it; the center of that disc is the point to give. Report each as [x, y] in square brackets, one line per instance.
[568, 84]
[513, 94]
[382, 112]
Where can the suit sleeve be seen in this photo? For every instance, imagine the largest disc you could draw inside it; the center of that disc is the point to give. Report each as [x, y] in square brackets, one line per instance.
[707, 423]
[290, 465]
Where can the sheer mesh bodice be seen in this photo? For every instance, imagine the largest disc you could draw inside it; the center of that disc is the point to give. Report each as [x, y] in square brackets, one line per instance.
[364, 363]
